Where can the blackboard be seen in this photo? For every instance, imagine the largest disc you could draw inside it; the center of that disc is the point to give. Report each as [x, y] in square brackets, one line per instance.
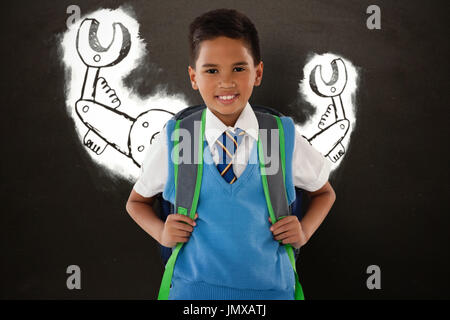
[60, 208]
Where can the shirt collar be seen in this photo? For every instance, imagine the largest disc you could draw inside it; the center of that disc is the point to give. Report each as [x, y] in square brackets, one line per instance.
[247, 121]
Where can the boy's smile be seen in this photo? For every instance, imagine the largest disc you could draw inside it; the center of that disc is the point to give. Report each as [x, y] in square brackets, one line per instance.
[225, 75]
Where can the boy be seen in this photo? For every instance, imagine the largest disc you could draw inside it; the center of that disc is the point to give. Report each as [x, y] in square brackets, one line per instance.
[231, 249]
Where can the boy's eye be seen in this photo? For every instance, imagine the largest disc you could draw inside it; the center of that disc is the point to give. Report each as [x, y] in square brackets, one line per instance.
[212, 71]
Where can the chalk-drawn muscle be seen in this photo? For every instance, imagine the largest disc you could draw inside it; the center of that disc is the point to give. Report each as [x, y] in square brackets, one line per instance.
[333, 123]
[98, 105]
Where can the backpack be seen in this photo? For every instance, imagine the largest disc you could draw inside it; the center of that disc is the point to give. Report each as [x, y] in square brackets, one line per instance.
[190, 178]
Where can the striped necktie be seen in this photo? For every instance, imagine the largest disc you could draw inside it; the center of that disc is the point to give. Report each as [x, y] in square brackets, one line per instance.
[228, 143]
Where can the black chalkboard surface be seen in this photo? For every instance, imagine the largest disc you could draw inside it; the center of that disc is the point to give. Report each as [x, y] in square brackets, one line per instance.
[63, 208]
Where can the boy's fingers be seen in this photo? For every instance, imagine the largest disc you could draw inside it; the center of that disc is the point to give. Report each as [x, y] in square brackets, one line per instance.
[281, 229]
[284, 235]
[181, 233]
[183, 226]
[181, 239]
[281, 222]
[182, 217]
[280, 232]
[291, 239]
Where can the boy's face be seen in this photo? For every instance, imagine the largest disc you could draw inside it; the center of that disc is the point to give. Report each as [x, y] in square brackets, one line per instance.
[225, 68]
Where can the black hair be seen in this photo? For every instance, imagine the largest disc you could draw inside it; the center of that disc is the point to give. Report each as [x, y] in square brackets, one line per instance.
[223, 22]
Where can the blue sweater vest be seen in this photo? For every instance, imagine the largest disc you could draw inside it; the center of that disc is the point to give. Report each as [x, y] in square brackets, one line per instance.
[231, 254]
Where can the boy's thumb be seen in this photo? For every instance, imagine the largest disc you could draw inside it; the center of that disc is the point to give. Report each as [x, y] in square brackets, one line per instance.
[196, 216]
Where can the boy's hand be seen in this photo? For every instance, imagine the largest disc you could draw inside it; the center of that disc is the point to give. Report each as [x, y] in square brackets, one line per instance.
[177, 228]
[289, 231]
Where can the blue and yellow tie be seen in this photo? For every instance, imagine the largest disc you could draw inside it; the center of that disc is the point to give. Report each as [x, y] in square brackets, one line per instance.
[228, 143]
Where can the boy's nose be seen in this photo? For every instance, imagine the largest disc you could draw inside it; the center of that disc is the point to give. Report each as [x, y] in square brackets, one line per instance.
[226, 80]
[227, 84]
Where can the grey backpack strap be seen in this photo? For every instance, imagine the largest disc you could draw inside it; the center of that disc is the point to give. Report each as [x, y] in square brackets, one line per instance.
[271, 144]
[187, 169]
[189, 174]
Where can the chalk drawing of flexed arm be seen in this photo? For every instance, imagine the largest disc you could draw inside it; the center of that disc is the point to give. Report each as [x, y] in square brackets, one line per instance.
[333, 124]
[98, 105]
[96, 57]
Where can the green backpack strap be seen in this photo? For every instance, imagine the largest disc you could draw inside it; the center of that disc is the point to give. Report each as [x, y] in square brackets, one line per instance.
[187, 200]
[271, 139]
[277, 202]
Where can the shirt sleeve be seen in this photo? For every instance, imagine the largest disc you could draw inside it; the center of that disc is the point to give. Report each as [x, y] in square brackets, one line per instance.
[154, 171]
[310, 169]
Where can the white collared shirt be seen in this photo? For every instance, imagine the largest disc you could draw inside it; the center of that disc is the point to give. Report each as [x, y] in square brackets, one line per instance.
[310, 168]
[214, 129]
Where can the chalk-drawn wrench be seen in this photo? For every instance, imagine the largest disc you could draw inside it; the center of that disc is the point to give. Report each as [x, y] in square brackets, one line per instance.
[328, 141]
[95, 56]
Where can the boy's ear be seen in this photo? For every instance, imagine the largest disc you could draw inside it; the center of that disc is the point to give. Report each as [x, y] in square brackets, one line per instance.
[191, 72]
[259, 74]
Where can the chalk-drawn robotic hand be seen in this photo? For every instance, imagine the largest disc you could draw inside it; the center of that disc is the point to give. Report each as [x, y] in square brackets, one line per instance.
[97, 107]
[333, 124]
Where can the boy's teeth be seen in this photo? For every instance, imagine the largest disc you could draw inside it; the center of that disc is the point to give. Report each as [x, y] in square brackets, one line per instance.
[226, 97]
